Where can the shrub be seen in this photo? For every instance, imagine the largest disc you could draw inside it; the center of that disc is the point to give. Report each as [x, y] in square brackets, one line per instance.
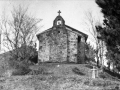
[41, 70]
[98, 83]
[89, 66]
[20, 67]
[117, 87]
[102, 75]
[77, 71]
[87, 82]
[21, 71]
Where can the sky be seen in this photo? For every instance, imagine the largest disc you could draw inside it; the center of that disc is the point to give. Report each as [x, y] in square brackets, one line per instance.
[73, 12]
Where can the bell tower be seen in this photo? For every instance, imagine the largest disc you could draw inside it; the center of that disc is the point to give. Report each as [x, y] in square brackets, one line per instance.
[59, 21]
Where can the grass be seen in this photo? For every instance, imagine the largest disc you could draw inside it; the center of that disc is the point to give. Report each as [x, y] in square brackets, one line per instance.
[59, 77]
[77, 71]
[64, 69]
[38, 82]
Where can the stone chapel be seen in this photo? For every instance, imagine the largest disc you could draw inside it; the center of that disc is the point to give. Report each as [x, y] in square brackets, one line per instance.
[61, 43]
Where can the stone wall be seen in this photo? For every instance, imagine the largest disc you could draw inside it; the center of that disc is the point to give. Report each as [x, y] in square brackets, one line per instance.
[53, 45]
[76, 48]
[61, 45]
[44, 48]
[72, 46]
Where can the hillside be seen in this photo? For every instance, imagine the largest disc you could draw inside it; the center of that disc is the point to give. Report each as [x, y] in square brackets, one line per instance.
[65, 69]
[58, 77]
[70, 69]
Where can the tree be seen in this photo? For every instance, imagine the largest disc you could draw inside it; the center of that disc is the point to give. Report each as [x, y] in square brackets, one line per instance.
[110, 33]
[92, 25]
[19, 32]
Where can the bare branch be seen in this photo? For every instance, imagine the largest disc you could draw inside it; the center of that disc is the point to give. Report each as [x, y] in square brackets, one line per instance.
[19, 32]
[91, 23]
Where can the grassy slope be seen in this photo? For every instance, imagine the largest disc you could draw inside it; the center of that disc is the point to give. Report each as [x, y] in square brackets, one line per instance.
[69, 69]
[61, 78]
[64, 69]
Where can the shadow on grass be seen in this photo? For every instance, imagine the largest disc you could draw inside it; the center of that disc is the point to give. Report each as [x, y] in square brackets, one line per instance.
[77, 71]
[89, 66]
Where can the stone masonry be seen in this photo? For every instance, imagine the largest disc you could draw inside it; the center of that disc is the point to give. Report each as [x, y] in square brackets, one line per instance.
[61, 43]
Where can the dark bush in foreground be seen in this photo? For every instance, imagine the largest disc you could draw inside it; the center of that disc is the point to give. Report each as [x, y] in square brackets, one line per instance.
[102, 75]
[87, 82]
[21, 71]
[114, 74]
[77, 71]
[41, 70]
[20, 67]
[89, 66]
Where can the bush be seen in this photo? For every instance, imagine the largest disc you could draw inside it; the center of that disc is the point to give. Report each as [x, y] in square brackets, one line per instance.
[89, 66]
[21, 71]
[20, 67]
[77, 71]
[87, 82]
[102, 75]
[114, 74]
[98, 83]
[117, 87]
[41, 70]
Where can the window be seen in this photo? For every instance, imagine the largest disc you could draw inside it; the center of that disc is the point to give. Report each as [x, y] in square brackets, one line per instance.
[59, 22]
[58, 31]
[79, 39]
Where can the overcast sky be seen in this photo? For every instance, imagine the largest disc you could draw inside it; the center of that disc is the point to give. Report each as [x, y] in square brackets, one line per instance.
[73, 11]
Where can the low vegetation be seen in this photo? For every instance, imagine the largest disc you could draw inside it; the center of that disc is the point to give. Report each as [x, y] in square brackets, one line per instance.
[56, 76]
[77, 71]
[39, 82]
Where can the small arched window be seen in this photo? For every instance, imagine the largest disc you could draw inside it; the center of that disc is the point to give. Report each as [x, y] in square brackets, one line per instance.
[59, 23]
[58, 31]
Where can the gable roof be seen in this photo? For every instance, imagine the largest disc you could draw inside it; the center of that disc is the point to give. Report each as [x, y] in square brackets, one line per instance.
[85, 35]
[43, 32]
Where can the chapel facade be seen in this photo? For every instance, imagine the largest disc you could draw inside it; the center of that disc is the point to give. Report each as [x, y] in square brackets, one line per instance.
[61, 43]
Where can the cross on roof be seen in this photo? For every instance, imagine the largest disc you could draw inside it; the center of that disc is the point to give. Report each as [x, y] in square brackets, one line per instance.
[59, 12]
